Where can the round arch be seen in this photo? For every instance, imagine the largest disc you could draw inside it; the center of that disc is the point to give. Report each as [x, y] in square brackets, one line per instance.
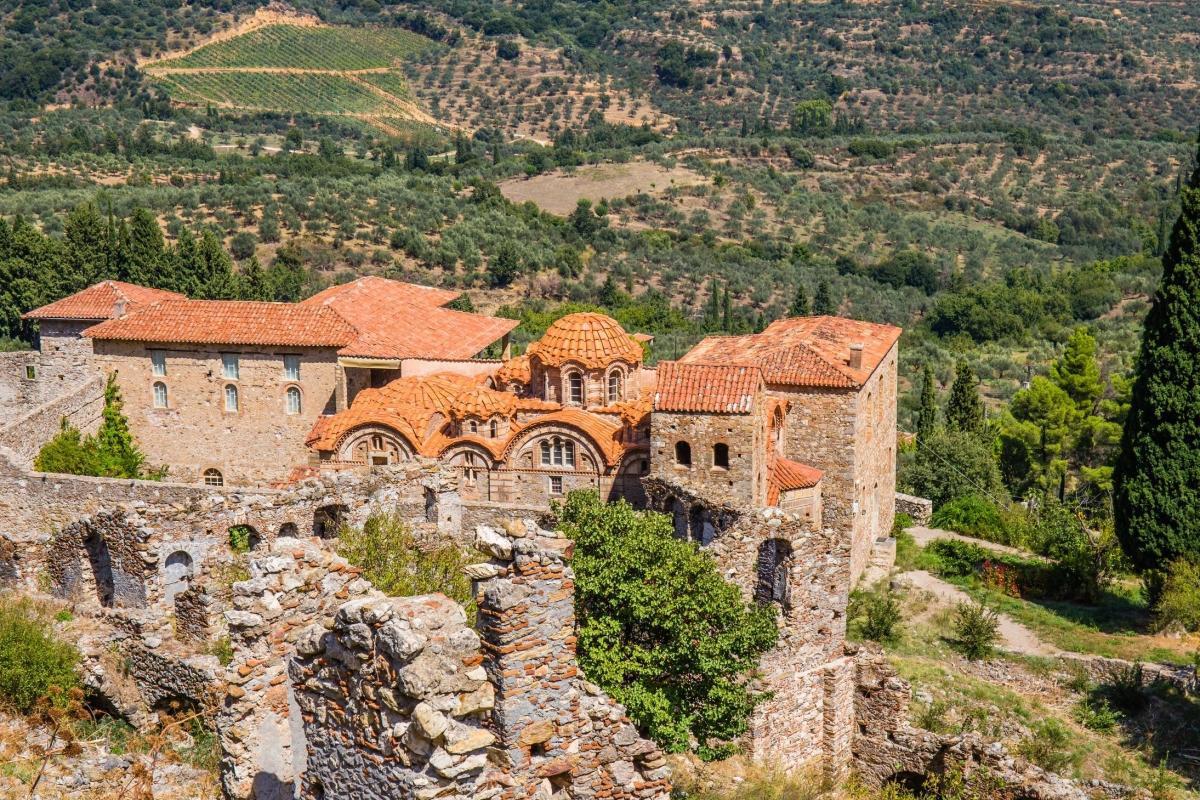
[585, 445]
[375, 444]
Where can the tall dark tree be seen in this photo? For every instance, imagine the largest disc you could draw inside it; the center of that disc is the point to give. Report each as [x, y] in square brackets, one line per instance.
[927, 411]
[214, 268]
[251, 282]
[800, 305]
[1156, 481]
[88, 246]
[823, 303]
[964, 411]
[286, 275]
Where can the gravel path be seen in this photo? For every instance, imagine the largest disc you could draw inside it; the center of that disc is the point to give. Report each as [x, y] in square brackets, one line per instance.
[925, 535]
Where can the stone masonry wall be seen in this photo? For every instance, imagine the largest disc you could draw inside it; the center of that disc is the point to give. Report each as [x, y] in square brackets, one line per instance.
[742, 484]
[33, 426]
[875, 462]
[919, 508]
[808, 720]
[252, 446]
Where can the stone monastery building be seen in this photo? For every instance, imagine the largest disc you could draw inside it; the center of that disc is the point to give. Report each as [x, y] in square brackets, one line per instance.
[377, 372]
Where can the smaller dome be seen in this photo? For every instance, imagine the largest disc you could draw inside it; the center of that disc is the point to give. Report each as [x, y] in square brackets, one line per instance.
[484, 403]
[591, 339]
[515, 370]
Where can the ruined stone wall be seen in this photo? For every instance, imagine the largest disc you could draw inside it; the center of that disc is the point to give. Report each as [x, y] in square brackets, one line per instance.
[32, 426]
[742, 484]
[875, 462]
[919, 508]
[17, 388]
[256, 444]
[776, 558]
[98, 561]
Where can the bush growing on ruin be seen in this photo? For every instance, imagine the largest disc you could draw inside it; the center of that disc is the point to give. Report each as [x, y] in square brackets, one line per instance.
[31, 659]
[111, 453]
[660, 629]
[397, 564]
[1179, 598]
[1049, 746]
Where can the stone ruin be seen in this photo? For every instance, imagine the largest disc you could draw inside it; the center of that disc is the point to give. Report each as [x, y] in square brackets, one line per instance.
[360, 696]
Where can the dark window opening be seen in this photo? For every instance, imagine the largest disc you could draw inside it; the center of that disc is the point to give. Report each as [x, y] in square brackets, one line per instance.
[683, 454]
[101, 563]
[774, 559]
[721, 455]
[327, 521]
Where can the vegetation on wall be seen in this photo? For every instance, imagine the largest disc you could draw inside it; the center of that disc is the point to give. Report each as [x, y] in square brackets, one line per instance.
[659, 628]
[110, 453]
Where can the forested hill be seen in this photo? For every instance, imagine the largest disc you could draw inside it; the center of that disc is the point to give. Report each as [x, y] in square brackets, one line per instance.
[1095, 67]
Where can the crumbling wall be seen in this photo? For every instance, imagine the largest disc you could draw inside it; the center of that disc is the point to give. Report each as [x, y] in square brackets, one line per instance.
[99, 560]
[919, 508]
[80, 404]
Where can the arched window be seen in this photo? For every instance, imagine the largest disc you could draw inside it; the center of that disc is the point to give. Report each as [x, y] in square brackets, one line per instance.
[471, 469]
[160, 394]
[575, 388]
[683, 454]
[614, 386]
[558, 452]
[213, 477]
[721, 455]
[774, 557]
[493, 429]
[293, 400]
[231, 398]
[474, 426]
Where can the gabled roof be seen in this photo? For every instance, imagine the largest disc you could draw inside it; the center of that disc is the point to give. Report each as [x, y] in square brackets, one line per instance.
[101, 301]
[367, 318]
[240, 322]
[403, 320]
[707, 388]
[787, 476]
[804, 351]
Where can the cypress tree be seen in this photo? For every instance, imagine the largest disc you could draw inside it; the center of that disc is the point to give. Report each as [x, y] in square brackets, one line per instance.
[726, 311]
[116, 454]
[800, 306]
[214, 268]
[964, 412]
[823, 300]
[1156, 481]
[147, 263]
[927, 411]
[251, 282]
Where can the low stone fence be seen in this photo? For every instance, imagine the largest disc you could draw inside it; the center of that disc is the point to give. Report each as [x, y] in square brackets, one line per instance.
[919, 508]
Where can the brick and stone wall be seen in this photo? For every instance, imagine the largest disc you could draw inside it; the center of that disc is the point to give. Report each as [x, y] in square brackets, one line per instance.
[257, 444]
[742, 483]
[875, 462]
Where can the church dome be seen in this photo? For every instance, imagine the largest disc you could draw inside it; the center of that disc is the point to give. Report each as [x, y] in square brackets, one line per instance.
[484, 403]
[590, 339]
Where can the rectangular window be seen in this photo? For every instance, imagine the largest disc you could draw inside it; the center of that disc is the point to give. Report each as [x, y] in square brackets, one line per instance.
[158, 362]
[291, 368]
[30, 372]
[229, 366]
[556, 486]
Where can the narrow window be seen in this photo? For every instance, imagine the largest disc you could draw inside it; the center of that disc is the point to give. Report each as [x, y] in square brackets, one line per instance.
[212, 477]
[614, 386]
[493, 429]
[474, 426]
[721, 455]
[556, 484]
[683, 454]
[30, 372]
[545, 452]
[229, 366]
[160, 394]
[293, 400]
[158, 362]
[291, 368]
[231, 398]
[575, 383]
[774, 557]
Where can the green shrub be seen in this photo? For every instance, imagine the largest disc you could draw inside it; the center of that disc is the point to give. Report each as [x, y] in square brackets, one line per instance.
[975, 515]
[1096, 714]
[1085, 562]
[1179, 597]
[1049, 746]
[900, 523]
[877, 614]
[240, 539]
[392, 559]
[223, 649]
[660, 628]
[1126, 691]
[31, 659]
[955, 559]
[111, 453]
[977, 630]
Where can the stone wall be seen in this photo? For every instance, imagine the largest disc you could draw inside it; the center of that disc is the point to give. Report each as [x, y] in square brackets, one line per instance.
[875, 462]
[98, 561]
[81, 405]
[919, 508]
[256, 444]
[17, 389]
[742, 483]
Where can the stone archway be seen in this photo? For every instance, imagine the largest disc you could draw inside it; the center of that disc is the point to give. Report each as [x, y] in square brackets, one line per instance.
[100, 560]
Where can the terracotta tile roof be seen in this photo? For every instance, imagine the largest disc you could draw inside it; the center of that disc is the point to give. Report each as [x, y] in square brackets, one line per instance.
[804, 351]
[589, 339]
[403, 320]
[229, 322]
[787, 476]
[631, 412]
[515, 370]
[99, 301]
[407, 405]
[482, 402]
[707, 388]
[439, 443]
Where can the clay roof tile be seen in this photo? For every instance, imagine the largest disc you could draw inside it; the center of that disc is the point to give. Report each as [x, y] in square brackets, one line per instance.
[707, 388]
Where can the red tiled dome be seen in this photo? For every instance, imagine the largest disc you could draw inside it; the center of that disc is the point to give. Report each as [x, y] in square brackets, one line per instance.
[484, 403]
[590, 339]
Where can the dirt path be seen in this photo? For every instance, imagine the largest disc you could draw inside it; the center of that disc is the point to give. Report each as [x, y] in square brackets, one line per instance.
[1015, 637]
[924, 536]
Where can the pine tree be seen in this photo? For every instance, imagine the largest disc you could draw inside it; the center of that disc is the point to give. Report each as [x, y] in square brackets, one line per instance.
[1077, 372]
[964, 411]
[823, 304]
[286, 275]
[116, 454]
[800, 306]
[927, 411]
[87, 243]
[1156, 481]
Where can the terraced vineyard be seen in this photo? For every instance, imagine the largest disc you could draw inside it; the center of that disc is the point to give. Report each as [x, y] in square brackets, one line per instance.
[284, 67]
